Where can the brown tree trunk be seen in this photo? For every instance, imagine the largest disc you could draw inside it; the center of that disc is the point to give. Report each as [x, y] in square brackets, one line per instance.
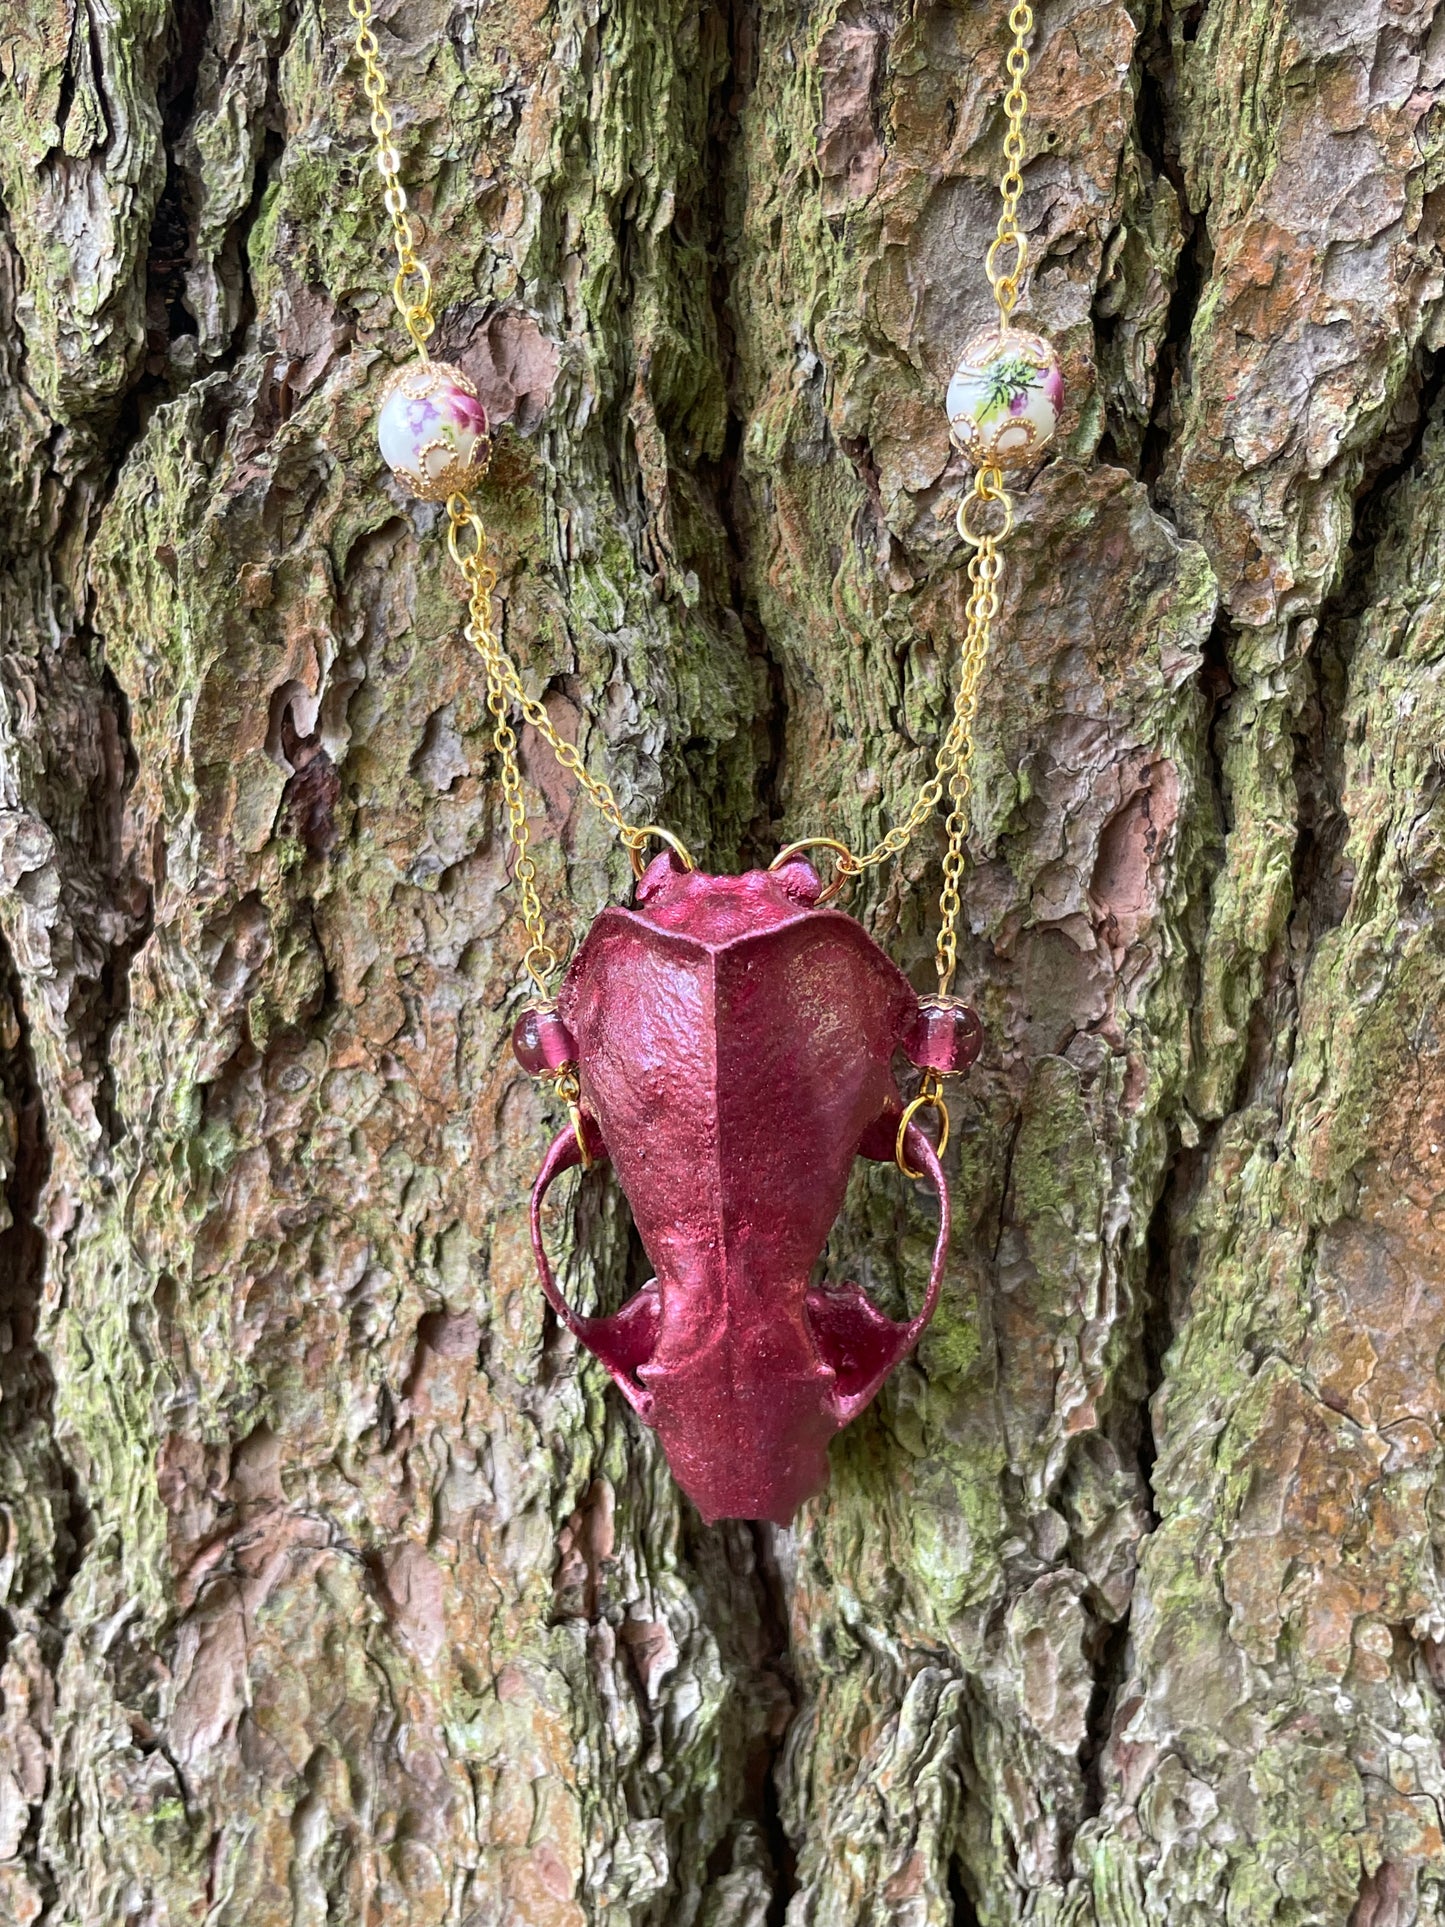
[335, 1585]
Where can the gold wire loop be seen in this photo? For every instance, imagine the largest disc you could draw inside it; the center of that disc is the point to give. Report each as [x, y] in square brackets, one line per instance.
[417, 308]
[847, 862]
[570, 1091]
[929, 1098]
[637, 838]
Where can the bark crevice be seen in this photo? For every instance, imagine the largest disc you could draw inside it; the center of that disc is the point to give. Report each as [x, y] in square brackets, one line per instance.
[1157, 126]
[26, 1385]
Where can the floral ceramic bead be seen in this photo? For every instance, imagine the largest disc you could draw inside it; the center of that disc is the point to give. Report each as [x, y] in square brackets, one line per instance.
[1005, 397]
[433, 430]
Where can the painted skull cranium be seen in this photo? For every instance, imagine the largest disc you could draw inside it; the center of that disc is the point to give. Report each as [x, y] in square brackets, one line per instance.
[734, 1044]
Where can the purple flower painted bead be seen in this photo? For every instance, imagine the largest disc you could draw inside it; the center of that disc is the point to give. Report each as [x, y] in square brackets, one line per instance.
[433, 430]
[1005, 398]
[542, 1043]
[945, 1036]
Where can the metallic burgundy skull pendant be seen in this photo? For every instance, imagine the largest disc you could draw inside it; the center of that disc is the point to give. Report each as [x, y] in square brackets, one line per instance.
[734, 1044]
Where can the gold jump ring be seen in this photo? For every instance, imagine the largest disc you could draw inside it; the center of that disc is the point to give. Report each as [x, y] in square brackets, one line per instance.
[977, 540]
[925, 1101]
[818, 843]
[642, 833]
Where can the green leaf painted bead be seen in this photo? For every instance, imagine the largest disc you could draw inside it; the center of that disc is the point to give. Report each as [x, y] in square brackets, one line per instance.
[1005, 397]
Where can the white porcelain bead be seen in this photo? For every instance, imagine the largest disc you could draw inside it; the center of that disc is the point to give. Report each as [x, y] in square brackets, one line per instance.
[1005, 397]
[433, 430]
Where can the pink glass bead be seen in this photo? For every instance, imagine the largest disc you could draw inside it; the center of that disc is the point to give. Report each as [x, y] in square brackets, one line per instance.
[946, 1035]
[542, 1043]
[1005, 398]
[433, 430]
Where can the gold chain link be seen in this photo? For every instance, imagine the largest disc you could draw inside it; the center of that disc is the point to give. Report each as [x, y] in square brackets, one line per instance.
[414, 309]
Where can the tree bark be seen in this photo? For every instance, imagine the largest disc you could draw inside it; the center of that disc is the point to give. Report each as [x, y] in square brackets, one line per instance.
[335, 1586]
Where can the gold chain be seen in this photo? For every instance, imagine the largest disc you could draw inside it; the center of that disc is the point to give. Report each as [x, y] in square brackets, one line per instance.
[955, 752]
[505, 691]
[1016, 106]
[414, 309]
[987, 497]
[411, 290]
[481, 578]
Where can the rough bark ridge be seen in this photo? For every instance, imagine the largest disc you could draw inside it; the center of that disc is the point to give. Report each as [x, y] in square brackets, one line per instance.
[333, 1585]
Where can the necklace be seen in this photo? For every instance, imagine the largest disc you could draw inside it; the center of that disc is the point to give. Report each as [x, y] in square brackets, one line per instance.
[727, 1042]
